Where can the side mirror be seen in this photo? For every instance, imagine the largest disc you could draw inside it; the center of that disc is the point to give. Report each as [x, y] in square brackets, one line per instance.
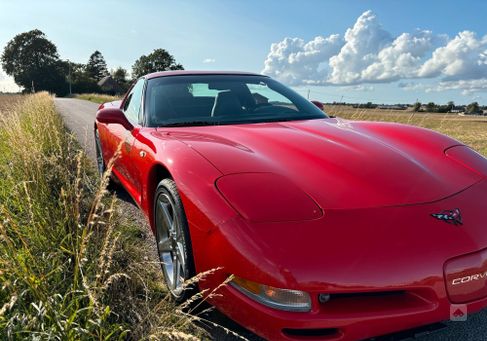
[113, 116]
[319, 105]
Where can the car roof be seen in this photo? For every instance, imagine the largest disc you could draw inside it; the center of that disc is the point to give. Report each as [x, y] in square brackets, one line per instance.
[193, 72]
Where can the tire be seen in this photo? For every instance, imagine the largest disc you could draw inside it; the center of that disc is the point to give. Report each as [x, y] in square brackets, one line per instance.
[113, 183]
[100, 163]
[173, 240]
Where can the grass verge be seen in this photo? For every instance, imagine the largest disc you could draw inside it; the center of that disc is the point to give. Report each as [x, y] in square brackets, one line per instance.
[70, 267]
[97, 98]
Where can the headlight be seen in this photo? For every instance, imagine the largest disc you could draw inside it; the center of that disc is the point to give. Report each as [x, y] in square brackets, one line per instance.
[282, 299]
[267, 197]
[468, 158]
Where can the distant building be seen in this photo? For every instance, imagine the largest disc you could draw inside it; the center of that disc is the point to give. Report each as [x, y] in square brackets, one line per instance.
[109, 85]
[458, 109]
[392, 106]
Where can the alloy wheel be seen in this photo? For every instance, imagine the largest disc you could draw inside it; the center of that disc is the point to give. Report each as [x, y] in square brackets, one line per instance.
[170, 243]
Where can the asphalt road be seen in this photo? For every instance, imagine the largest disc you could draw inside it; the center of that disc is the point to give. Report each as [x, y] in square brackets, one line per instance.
[79, 116]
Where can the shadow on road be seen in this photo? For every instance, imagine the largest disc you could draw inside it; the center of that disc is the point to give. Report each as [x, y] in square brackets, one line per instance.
[122, 194]
[220, 327]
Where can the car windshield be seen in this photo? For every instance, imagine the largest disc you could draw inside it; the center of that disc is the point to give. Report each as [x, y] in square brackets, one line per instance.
[222, 99]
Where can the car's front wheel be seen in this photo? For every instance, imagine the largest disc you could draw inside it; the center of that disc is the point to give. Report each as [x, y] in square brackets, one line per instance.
[100, 164]
[173, 240]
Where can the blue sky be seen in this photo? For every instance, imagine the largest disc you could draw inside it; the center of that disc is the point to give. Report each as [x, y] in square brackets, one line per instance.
[429, 61]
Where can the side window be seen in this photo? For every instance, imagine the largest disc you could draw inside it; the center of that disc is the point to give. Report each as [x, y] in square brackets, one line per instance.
[134, 101]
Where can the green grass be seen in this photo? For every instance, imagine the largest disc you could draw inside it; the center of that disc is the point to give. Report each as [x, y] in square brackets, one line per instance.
[97, 98]
[71, 268]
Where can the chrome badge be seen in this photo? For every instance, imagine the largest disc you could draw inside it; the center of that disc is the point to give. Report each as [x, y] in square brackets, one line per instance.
[453, 217]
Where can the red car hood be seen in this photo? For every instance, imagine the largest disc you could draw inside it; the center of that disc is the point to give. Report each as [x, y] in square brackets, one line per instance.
[341, 164]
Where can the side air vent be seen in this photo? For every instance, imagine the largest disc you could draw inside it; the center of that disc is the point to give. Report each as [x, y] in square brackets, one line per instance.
[322, 333]
[388, 294]
[342, 305]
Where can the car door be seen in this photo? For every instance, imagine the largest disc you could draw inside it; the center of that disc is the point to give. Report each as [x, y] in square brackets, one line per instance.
[143, 148]
[131, 108]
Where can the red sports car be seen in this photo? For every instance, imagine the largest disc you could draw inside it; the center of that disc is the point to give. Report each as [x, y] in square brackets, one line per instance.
[332, 229]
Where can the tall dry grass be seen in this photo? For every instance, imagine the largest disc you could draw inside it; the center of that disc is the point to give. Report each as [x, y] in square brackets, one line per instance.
[8, 101]
[70, 269]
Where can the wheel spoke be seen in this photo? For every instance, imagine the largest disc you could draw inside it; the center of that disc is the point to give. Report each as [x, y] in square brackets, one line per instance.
[162, 233]
[180, 255]
[165, 245]
[175, 272]
[166, 215]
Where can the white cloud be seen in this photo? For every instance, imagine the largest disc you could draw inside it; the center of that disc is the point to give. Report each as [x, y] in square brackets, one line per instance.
[7, 83]
[362, 43]
[209, 61]
[370, 54]
[360, 87]
[295, 61]
[468, 86]
[402, 58]
[463, 57]
[412, 86]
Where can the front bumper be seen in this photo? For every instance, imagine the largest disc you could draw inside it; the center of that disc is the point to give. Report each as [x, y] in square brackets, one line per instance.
[348, 325]
[384, 268]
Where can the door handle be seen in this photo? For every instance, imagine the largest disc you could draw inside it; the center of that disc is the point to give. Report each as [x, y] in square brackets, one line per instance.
[128, 141]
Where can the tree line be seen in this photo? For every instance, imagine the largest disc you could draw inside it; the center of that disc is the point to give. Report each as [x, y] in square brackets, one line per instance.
[34, 63]
[470, 109]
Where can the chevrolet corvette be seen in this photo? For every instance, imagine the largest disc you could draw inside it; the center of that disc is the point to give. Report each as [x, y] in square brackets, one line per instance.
[323, 228]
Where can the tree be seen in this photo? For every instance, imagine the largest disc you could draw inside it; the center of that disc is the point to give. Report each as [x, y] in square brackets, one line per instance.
[96, 67]
[431, 107]
[451, 106]
[416, 106]
[81, 82]
[158, 60]
[443, 109]
[34, 63]
[119, 75]
[473, 108]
